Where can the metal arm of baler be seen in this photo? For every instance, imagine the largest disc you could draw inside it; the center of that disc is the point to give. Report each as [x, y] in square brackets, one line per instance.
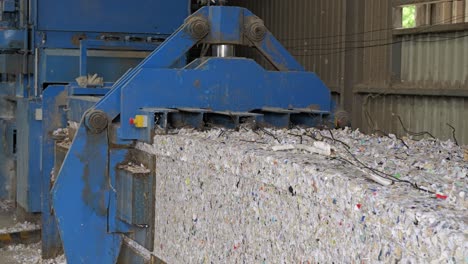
[84, 197]
[81, 194]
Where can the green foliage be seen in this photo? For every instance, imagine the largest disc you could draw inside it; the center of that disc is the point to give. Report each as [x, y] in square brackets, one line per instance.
[409, 16]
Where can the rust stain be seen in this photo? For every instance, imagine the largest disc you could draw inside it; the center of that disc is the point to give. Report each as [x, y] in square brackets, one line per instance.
[61, 101]
[197, 83]
[138, 157]
[95, 200]
[76, 39]
[313, 107]
[95, 182]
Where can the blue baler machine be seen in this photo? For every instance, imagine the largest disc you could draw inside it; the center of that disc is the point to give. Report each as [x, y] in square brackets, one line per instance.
[150, 75]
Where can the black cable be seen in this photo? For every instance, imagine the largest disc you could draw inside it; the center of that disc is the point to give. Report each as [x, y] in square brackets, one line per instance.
[422, 30]
[221, 133]
[297, 135]
[389, 176]
[337, 140]
[381, 173]
[369, 118]
[351, 34]
[370, 46]
[417, 134]
[362, 163]
[268, 133]
[318, 46]
[419, 39]
[453, 134]
[299, 47]
[341, 35]
[341, 50]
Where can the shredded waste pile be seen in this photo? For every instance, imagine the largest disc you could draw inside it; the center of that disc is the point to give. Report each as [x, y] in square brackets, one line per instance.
[289, 196]
[6, 205]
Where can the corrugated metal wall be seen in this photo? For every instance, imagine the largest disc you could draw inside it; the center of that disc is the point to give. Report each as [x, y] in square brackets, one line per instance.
[418, 113]
[425, 64]
[377, 38]
[437, 64]
[436, 60]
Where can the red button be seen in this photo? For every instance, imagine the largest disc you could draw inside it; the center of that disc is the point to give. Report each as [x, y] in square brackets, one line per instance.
[132, 121]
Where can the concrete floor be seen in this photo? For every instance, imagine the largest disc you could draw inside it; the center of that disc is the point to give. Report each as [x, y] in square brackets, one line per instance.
[19, 254]
[26, 254]
[19, 236]
[18, 227]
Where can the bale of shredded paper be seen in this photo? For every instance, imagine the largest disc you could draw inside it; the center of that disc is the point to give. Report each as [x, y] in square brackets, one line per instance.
[228, 197]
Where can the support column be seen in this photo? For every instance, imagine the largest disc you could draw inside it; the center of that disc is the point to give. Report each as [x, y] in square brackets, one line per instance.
[353, 58]
[442, 13]
[423, 15]
[458, 11]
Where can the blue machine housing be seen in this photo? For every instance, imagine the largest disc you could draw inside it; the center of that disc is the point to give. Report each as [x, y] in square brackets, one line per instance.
[52, 42]
[114, 16]
[94, 198]
[89, 203]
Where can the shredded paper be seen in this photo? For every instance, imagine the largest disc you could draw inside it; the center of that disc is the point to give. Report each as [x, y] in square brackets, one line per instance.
[239, 197]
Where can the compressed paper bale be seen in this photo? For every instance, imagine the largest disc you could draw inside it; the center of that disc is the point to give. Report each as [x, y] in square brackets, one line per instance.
[233, 199]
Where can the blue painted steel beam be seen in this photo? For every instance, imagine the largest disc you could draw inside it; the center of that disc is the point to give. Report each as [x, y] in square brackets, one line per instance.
[28, 181]
[72, 90]
[90, 190]
[277, 55]
[114, 16]
[225, 26]
[216, 86]
[89, 193]
[81, 201]
[53, 107]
